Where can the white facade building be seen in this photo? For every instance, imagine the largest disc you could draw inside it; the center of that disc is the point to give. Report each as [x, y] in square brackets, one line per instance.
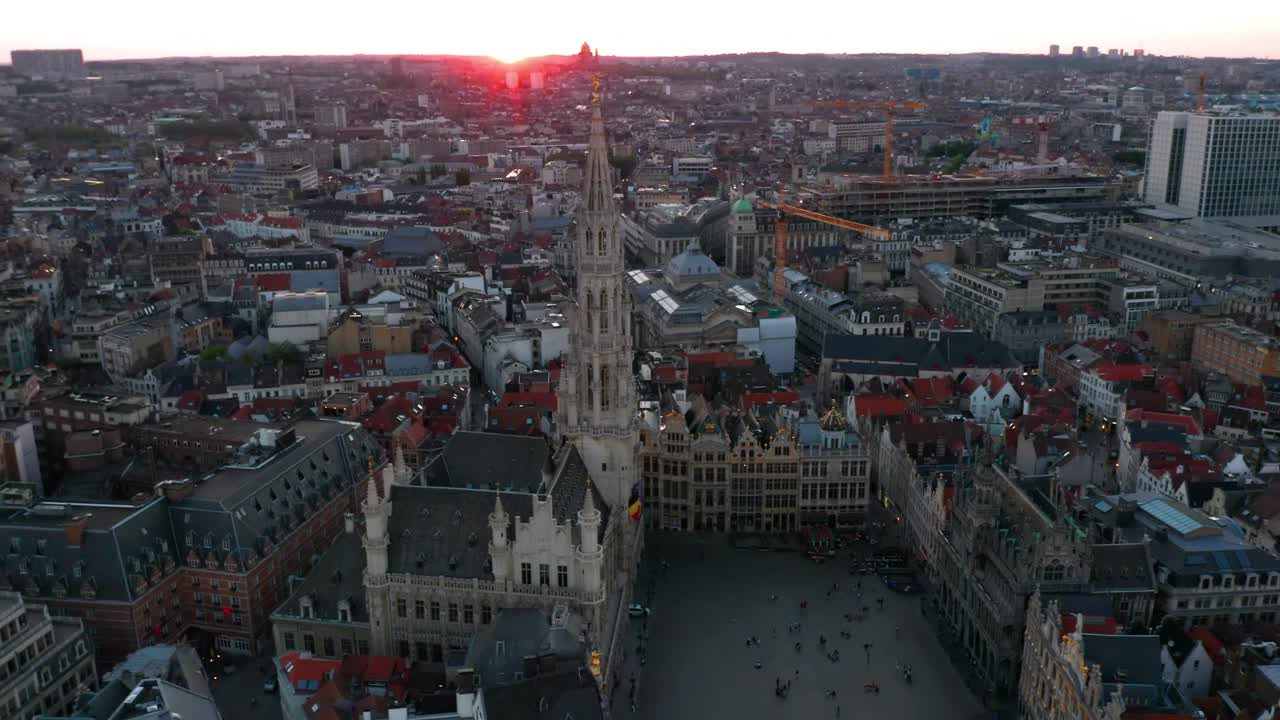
[1215, 165]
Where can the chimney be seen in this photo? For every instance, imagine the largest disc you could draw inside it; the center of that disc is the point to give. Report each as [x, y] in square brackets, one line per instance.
[349, 522]
[74, 530]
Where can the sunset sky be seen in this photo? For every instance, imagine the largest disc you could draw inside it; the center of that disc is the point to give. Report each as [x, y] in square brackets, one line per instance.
[512, 29]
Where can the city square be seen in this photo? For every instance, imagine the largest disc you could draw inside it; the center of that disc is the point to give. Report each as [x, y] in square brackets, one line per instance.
[712, 598]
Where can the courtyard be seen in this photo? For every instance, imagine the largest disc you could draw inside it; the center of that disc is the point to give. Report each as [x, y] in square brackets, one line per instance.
[713, 597]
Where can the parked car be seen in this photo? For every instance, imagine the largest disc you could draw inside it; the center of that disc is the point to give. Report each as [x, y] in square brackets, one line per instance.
[637, 610]
[269, 685]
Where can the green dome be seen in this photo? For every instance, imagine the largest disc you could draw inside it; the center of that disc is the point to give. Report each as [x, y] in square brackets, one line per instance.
[743, 206]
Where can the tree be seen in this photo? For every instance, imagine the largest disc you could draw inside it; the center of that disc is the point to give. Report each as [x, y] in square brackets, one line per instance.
[462, 177]
[214, 352]
[626, 164]
[285, 352]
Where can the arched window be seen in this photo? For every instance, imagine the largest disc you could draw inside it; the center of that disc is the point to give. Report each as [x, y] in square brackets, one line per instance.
[1054, 572]
[866, 317]
[590, 299]
[600, 242]
[604, 312]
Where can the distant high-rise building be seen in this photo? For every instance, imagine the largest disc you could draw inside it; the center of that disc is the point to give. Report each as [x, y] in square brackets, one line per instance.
[1092, 51]
[537, 80]
[1053, 51]
[210, 80]
[52, 64]
[513, 79]
[1113, 53]
[1139, 52]
[1214, 165]
[1077, 51]
[396, 65]
[331, 115]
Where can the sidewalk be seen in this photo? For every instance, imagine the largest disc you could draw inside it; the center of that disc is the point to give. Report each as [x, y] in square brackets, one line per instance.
[621, 691]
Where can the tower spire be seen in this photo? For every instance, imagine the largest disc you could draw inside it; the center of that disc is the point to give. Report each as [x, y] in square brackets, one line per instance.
[597, 403]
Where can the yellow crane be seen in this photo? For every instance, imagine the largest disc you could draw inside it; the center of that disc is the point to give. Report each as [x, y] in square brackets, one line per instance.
[889, 107]
[780, 235]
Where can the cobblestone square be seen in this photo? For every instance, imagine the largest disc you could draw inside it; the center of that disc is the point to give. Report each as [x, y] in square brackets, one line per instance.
[714, 597]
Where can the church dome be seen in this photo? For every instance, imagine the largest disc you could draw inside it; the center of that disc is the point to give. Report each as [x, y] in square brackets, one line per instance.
[834, 420]
[743, 205]
[692, 264]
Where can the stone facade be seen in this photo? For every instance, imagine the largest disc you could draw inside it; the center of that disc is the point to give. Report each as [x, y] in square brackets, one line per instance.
[724, 475]
[432, 581]
[1057, 683]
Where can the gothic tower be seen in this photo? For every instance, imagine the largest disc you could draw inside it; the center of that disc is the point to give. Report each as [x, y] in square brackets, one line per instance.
[598, 397]
[377, 516]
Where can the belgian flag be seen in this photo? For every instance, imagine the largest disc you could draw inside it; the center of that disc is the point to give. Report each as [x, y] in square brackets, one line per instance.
[633, 505]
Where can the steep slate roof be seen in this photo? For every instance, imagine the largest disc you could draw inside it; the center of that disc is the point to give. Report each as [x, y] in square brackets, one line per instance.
[487, 460]
[444, 531]
[546, 697]
[337, 576]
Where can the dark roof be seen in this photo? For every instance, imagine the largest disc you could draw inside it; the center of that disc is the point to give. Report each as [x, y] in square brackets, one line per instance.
[546, 697]
[411, 240]
[444, 531]
[337, 576]
[127, 549]
[490, 460]
[1122, 567]
[121, 543]
[906, 355]
[1130, 659]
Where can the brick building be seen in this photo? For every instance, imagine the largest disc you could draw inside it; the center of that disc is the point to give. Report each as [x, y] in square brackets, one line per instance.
[203, 559]
[1241, 353]
[1170, 333]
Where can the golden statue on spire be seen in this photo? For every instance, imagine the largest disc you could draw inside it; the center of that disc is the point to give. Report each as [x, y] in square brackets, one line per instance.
[595, 89]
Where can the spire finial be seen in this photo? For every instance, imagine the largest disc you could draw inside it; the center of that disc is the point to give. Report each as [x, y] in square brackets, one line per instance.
[595, 89]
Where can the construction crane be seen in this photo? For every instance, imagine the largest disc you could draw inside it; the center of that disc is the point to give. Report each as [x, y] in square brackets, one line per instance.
[1042, 123]
[780, 234]
[889, 107]
[1200, 101]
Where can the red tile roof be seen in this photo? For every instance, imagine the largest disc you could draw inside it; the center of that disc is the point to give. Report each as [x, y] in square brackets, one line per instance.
[879, 406]
[1093, 625]
[1211, 643]
[307, 674]
[273, 282]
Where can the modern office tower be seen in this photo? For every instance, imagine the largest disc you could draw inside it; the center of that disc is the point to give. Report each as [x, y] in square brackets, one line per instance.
[52, 64]
[1053, 51]
[1216, 165]
[331, 115]
[1077, 51]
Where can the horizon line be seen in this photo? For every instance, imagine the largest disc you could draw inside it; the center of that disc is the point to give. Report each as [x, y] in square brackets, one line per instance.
[1063, 56]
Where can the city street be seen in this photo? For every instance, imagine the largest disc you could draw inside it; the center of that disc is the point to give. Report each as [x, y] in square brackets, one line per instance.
[239, 695]
[714, 597]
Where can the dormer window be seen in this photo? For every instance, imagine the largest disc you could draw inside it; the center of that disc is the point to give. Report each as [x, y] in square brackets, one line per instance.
[344, 611]
[308, 610]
